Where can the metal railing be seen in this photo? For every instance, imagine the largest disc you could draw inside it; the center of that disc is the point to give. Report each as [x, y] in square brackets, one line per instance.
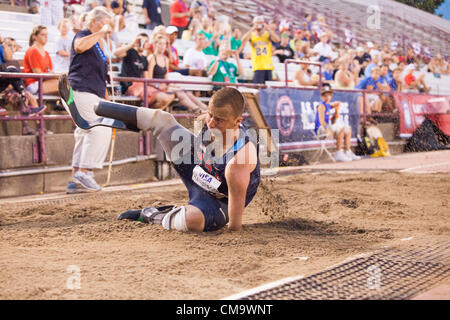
[144, 149]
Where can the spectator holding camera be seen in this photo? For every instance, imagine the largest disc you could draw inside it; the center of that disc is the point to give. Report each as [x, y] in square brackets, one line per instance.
[260, 38]
[223, 71]
[135, 65]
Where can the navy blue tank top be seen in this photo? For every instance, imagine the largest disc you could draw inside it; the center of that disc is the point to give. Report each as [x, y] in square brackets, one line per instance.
[327, 114]
[215, 167]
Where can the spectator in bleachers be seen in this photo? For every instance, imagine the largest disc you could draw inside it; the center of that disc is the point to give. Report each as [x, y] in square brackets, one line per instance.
[119, 19]
[63, 44]
[410, 56]
[363, 59]
[304, 77]
[306, 22]
[397, 83]
[37, 60]
[13, 89]
[203, 7]
[327, 71]
[386, 81]
[236, 39]
[372, 64]
[51, 12]
[438, 66]
[179, 15]
[298, 35]
[158, 68]
[319, 28]
[91, 4]
[260, 38]
[174, 61]
[346, 78]
[284, 51]
[374, 52]
[299, 49]
[194, 26]
[194, 57]
[223, 71]
[330, 123]
[152, 12]
[323, 49]
[212, 41]
[373, 82]
[413, 83]
[87, 77]
[135, 65]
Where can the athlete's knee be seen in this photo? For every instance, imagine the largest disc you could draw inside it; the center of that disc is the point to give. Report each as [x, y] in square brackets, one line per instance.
[154, 119]
[195, 221]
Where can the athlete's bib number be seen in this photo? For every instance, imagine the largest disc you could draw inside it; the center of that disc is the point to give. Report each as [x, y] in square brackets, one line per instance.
[205, 180]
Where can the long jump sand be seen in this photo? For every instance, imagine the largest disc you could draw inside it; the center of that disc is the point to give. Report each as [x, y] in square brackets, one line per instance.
[297, 225]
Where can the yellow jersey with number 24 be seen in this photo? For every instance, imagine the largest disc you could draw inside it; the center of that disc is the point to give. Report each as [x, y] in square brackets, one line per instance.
[261, 52]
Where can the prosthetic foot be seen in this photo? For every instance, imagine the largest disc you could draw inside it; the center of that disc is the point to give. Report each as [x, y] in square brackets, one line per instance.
[151, 215]
[67, 100]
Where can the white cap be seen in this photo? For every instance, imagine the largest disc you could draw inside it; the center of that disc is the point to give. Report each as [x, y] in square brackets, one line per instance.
[411, 66]
[359, 49]
[258, 19]
[171, 29]
[370, 44]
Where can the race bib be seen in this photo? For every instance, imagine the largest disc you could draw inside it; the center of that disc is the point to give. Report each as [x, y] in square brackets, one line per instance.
[205, 181]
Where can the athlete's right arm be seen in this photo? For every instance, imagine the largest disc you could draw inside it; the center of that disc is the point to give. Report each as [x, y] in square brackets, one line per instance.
[83, 44]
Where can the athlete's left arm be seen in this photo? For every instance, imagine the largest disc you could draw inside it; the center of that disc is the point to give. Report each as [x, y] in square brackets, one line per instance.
[237, 174]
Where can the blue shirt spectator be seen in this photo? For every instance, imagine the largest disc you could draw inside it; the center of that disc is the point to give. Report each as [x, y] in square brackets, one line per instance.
[368, 69]
[152, 11]
[2, 58]
[87, 71]
[373, 81]
[327, 75]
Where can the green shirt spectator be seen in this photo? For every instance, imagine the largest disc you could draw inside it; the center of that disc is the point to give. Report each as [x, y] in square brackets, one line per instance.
[210, 50]
[223, 71]
[226, 71]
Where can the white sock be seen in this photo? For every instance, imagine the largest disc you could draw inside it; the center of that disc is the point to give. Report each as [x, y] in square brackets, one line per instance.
[175, 219]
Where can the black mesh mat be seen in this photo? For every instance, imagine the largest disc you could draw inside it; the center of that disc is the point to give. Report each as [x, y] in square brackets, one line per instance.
[387, 274]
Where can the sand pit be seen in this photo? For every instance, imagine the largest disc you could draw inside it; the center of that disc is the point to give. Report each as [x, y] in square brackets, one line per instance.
[297, 225]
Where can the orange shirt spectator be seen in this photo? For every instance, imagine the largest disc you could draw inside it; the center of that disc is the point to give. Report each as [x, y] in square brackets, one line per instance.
[179, 6]
[409, 78]
[34, 60]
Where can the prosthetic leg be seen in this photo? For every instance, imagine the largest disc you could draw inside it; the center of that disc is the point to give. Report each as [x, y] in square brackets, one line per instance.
[125, 117]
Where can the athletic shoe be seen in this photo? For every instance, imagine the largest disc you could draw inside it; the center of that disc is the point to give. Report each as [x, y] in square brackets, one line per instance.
[340, 156]
[3, 112]
[73, 187]
[86, 180]
[351, 155]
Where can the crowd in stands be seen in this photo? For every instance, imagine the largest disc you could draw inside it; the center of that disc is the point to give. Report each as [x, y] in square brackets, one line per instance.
[218, 50]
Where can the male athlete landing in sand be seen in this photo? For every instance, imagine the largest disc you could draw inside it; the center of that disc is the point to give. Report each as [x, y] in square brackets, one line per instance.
[221, 177]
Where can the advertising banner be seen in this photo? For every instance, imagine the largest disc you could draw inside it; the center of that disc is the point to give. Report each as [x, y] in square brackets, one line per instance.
[293, 113]
[413, 108]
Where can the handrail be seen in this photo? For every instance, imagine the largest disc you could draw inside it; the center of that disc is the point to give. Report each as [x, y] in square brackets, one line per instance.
[41, 76]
